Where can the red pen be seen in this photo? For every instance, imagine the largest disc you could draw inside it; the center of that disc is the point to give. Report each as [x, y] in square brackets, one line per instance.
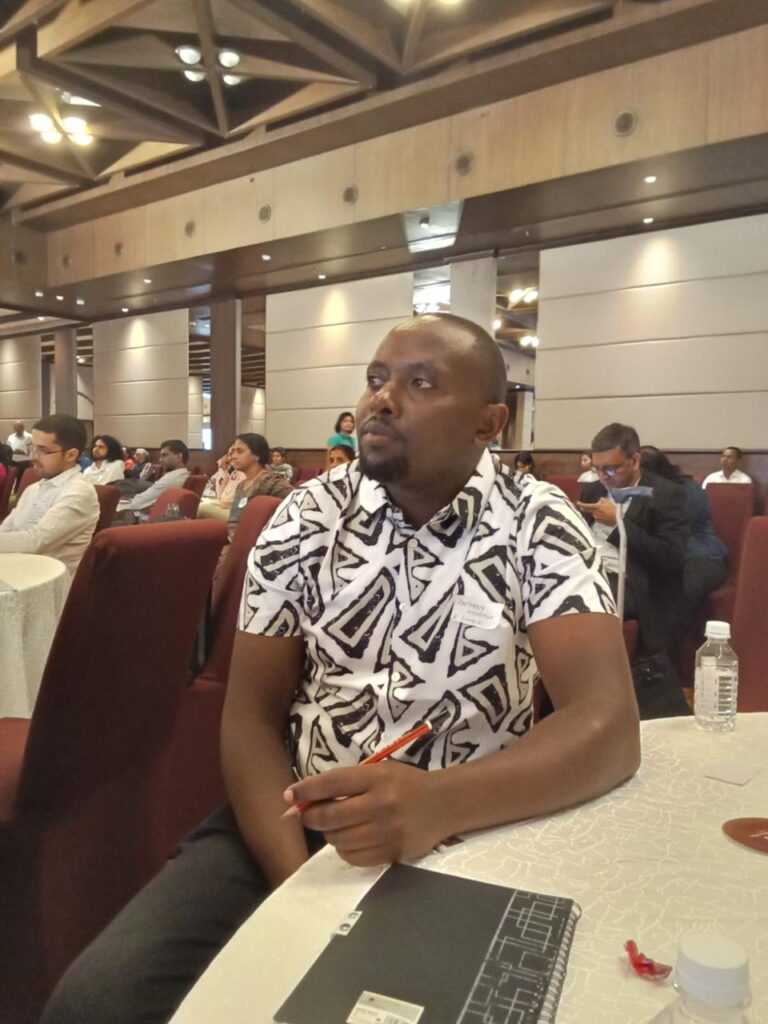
[379, 755]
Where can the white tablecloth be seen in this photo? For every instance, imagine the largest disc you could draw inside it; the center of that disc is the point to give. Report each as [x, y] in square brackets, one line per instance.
[29, 613]
[649, 861]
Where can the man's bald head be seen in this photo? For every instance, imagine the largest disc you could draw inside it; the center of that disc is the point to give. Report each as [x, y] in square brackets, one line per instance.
[465, 335]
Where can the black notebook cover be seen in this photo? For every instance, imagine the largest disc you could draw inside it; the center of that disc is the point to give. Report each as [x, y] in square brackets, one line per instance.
[431, 948]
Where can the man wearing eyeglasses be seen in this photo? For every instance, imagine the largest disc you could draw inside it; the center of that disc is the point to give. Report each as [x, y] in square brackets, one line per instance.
[657, 531]
[57, 515]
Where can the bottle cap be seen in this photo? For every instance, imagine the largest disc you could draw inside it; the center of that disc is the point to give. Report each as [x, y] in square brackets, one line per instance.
[717, 630]
[713, 969]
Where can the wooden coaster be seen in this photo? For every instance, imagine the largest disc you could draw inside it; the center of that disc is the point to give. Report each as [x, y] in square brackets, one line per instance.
[751, 832]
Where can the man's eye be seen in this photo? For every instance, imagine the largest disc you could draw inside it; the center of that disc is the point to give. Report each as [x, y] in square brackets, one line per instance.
[374, 380]
[422, 383]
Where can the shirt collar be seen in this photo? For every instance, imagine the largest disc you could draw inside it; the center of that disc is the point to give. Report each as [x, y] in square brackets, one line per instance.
[61, 479]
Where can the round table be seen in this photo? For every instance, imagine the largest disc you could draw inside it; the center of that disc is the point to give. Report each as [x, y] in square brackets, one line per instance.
[33, 589]
[647, 861]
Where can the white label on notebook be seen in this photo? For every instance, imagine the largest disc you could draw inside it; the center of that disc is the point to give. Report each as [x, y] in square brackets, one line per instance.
[371, 1008]
[483, 614]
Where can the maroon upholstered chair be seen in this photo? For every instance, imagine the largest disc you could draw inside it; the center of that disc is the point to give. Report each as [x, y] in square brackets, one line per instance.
[569, 485]
[6, 490]
[196, 482]
[196, 787]
[29, 476]
[750, 636]
[108, 499]
[186, 500]
[732, 506]
[304, 473]
[81, 784]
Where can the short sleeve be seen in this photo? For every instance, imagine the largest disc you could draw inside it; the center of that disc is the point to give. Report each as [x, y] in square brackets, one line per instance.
[560, 567]
[272, 599]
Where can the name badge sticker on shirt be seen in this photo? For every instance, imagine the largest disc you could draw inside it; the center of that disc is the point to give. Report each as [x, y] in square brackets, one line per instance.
[483, 614]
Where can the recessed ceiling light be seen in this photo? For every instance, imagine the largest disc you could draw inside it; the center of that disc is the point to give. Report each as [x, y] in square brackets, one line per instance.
[60, 298]
[497, 324]
[647, 220]
[40, 122]
[123, 309]
[232, 79]
[515, 295]
[81, 139]
[41, 318]
[80, 359]
[74, 125]
[650, 179]
[531, 295]
[526, 340]
[194, 75]
[188, 54]
[147, 280]
[229, 58]
[535, 341]
[38, 294]
[266, 257]
[321, 277]
[79, 302]
[51, 137]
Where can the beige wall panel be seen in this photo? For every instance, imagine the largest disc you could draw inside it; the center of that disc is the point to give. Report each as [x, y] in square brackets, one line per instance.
[175, 228]
[169, 328]
[19, 405]
[380, 298]
[149, 431]
[402, 170]
[333, 345]
[70, 254]
[85, 392]
[120, 243]
[231, 212]
[689, 309]
[252, 410]
[310, 430]
[717, 250]
[195, 412]
[737, 85]
[674, 421]
[19, 377]
[20, 350]
[309, 193]
[315, 388]
[705, 365]
[512, 143]
[665, 92]
[140, 364]
[141, 397]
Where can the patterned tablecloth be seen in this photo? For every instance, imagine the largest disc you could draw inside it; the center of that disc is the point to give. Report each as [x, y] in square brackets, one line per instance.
[33, 589]
[649, 861]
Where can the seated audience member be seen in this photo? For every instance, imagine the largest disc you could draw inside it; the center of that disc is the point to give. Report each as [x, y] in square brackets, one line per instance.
[127, 460]
[588, 472]
[142, 468]
[730, 473]
[107, 465]
[657, 533]
[174, 456]
[250, 456]
[20, 443]
[338, 456]
[343, 432]
[6, 461]
[704, 568]
[55, 516]
[329, 665]
[524, 464]
[221, 487]
[279, 465]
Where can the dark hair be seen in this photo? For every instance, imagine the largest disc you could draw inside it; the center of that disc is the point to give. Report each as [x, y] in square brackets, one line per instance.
[114, 448]
[280, 451]
[525, 459]
[6, 456]
[657, 462]
[342, 416]
[733, 448]
[177, 447]
[617, 435]
[258, 446]
[346, 450]
[68, 431]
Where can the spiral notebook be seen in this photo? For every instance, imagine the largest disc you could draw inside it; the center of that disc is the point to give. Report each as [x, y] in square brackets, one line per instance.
[429, 948]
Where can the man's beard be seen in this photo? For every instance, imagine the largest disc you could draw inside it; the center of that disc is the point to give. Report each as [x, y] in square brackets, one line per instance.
[386, 470]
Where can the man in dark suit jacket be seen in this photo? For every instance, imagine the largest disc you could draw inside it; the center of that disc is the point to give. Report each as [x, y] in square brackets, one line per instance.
[657, 532]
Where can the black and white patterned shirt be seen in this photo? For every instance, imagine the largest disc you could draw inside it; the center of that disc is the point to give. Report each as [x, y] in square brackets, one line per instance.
[403, 625]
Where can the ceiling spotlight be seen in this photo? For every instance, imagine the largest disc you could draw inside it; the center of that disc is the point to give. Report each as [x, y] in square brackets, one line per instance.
[531, 295]
[266, 257]
[194, 76]
[51, 137]
[80, 359]
[81, 139]
[497, 324]
[60, 298]
[147, 280]
[74, 125]
[188, 54]
[41, 318]
[526, 340]
[40, 122]
[232, 79]
[38, 294]
[647, 220]
[123, 309]
[79, 302]
[535, 341]
[650, 179]
[321, 277]
[515, 295]
[228, 58]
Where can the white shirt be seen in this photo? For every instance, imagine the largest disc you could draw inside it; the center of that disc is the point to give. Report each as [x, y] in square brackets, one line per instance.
[54, 517]
[106, 473]
[589, 476]
[736, 477]
[403, 625]
[144, 501]
[21, 447]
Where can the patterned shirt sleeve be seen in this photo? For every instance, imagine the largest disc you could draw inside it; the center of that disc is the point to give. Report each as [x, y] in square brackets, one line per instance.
[272, 600]
[560, 568]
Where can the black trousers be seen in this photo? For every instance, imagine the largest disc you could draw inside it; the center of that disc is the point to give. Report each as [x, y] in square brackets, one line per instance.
[146, 960]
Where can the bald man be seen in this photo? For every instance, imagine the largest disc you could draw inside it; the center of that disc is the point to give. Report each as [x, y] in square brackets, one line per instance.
[20, 442]
[416, 583]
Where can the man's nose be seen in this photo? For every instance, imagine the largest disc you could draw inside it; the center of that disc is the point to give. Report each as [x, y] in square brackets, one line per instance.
[386, 399]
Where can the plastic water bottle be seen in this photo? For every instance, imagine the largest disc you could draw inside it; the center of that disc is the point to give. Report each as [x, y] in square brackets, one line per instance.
[712, 981]
[716, 683]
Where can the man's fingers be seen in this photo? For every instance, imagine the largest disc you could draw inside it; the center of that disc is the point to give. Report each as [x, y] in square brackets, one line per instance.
[330, 785]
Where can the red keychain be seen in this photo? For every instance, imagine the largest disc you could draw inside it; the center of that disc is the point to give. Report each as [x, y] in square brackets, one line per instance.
[643, 965]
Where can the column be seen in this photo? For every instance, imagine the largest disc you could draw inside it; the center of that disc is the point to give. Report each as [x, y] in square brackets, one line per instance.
[65, 370]
[225, 372]
[473, 290]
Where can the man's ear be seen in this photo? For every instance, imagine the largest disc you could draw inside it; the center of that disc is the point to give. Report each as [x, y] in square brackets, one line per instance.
[71, 455]
[492, 422]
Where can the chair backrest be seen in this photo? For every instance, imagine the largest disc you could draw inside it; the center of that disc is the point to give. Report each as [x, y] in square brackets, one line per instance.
[304, 473]
[732, 506]
[750, 636]
[29, 476]
[569, 485]
[229, 586]
[5, 491]
[186, 500]
[108, 499]
[196, 482]
[119, 660]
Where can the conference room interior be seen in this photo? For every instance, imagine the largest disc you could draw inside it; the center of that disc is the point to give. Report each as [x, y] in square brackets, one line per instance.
[213, 211]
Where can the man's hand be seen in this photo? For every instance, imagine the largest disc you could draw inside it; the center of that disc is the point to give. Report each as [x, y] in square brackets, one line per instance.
[373, 814]
[603, 511]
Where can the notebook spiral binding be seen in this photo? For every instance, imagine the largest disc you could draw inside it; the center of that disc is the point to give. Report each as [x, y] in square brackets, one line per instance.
[554, 989]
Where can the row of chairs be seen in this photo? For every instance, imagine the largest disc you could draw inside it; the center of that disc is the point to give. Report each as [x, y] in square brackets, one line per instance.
[121, 756]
